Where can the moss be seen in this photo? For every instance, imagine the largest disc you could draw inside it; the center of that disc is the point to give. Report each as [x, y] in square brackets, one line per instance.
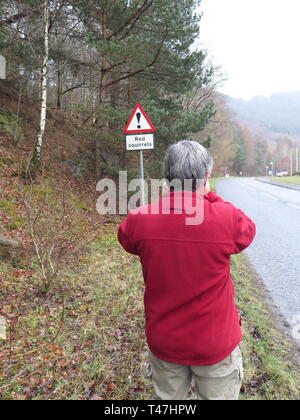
[16, 221]
[80, 205]
[12, 125]
[85, 260]
[7, 206]
[6, 161]
[42, 192]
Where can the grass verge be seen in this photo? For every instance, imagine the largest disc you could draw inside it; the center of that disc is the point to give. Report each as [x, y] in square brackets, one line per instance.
[213, 181]
[289, 179]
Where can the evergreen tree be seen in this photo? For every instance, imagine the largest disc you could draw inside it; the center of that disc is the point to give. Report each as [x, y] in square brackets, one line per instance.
[260, 157]
[145, 56]
[240, 154]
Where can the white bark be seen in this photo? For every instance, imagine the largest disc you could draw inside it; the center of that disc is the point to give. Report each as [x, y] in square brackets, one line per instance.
[2, 67]
[44, 83]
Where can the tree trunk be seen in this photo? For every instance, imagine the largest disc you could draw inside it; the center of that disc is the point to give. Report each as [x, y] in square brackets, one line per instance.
[44, 84]
[59, 90]
[104, 98]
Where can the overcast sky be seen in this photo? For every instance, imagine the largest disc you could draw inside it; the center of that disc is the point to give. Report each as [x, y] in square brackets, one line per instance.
[257, 43]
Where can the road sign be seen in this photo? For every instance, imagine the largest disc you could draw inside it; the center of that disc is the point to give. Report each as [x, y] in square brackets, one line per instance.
[2, 67]
[139, 122]
[140, 142]
[139, 126]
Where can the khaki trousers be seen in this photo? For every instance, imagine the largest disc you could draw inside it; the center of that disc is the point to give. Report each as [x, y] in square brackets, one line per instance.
[221, 381]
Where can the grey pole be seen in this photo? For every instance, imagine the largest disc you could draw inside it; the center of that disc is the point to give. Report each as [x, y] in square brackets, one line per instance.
[142, 178]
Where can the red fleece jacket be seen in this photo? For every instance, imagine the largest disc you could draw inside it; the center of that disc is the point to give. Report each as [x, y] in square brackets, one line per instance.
[191, 318]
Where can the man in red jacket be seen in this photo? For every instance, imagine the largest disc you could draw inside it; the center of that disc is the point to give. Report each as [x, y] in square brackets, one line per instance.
[192, 324]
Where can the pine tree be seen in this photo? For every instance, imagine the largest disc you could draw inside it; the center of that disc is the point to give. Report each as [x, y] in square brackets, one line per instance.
[145, 56]
[240, 155]
[260, 157]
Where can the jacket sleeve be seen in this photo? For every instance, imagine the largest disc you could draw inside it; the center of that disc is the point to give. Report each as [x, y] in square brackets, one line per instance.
[244, 231]
[125, 236]
[244, 228]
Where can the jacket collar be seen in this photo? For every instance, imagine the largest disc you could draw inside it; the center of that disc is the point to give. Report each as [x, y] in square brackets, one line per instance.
[181, 200]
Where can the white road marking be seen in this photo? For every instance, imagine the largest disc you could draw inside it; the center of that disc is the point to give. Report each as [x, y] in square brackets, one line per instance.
[293, 205]
[270, 196]
[251, 188]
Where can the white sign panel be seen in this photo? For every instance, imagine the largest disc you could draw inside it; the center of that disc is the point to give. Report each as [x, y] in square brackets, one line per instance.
[2, 67]
[140, 142]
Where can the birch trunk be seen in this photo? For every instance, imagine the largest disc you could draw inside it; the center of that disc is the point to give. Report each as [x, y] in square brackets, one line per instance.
[44, 84]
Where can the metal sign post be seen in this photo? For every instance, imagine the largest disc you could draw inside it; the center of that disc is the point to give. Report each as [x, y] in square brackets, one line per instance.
[137, 129]
[142, 177]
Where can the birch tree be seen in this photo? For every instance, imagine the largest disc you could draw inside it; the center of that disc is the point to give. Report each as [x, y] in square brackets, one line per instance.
[44, 84]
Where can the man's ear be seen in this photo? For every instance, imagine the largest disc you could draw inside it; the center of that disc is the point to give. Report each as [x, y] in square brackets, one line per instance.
[165, 188]
[206, 179]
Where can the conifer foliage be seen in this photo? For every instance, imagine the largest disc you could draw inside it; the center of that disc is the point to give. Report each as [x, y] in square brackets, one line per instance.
[105, 56]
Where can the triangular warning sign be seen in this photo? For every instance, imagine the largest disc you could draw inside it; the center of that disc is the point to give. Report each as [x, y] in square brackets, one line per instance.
[139, 122]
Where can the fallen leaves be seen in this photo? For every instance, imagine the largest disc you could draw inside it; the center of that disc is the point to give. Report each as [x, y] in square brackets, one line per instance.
[110, 387]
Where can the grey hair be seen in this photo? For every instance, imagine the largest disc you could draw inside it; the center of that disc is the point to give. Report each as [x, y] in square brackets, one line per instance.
[187, 160]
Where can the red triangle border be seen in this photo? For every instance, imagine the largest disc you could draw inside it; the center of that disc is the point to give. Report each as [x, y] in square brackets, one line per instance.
[150, 130]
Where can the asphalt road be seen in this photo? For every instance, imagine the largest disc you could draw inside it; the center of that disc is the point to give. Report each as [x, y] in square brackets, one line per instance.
[275, 252]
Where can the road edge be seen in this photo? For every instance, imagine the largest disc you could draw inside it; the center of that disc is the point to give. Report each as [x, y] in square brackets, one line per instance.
[294, 187]
[274, 312]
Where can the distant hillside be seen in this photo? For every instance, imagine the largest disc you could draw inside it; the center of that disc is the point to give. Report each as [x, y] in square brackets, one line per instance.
[280, 112]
